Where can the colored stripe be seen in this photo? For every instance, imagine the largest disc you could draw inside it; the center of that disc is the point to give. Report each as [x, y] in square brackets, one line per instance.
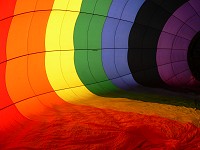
[173, 46]
[17, 80]
[53, 48]
[143, 40]
[60, 57]
[121, 40]
[36, 60]
[67, 52]
[115, 41]
[87, 36]
[9, 116]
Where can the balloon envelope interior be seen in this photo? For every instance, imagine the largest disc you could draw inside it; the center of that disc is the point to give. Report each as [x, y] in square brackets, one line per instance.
[86, 59]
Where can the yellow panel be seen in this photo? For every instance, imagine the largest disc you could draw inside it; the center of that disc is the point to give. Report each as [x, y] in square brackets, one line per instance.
[59, 58]
[60, 4]
[67, 57]
[75, 5]
[52, 57]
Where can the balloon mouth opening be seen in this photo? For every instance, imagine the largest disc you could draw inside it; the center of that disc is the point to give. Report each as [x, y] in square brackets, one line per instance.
[194, 56]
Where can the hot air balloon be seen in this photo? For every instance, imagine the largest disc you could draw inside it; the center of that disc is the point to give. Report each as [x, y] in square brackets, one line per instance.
[93, 58]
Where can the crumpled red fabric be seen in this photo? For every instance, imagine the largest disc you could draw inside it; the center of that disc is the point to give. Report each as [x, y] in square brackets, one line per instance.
[81, 127]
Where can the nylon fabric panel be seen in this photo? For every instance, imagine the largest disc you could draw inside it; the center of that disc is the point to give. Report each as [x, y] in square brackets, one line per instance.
[108, 44]
[52, 56]
[17, 46]
[87, 38]
[9, 116]
[67, 52]
[115, 36]
[36, 60]
[143, 40]
[173, 45]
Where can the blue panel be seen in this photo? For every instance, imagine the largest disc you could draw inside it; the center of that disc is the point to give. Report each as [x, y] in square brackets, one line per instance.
[115, 35]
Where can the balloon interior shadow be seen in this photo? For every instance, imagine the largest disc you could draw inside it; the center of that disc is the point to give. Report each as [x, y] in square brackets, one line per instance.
[187, 98]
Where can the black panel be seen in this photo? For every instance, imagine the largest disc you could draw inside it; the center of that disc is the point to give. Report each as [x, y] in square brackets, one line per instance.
[159, 19]
[148, 58]
[143, 39]
[194, 56]
[151, 38]
[145, 13]
[136, 63]
[167, 4]
[138, 34]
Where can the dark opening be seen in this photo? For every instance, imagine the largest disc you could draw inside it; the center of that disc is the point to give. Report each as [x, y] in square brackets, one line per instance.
[194, 56]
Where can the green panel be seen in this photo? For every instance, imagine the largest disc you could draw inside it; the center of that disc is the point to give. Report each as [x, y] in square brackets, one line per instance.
[84, 70]
[80, 31]
[88, 6]
[94, 33]
[102, 7]
[81, 57]
[87, 42]
[95, 57]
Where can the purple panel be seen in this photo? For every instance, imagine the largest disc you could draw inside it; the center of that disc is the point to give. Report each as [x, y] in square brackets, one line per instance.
[196, 5]
[193, 81]
[173, 81]
[184, 24]
[173, 25]
[194, 22]
[178, 55]
[185, 12]
[186, 32]
[163, 56]
[181, 43]
[163, 43]
[180, 67]
[166, 71]
[184, 77]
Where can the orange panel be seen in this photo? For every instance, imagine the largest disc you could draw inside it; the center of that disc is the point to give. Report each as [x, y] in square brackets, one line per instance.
[36, 62]
[9, 115]
[17, 81]
[23, 6]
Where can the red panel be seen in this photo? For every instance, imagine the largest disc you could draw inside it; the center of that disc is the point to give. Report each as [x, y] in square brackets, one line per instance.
[9, 116]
